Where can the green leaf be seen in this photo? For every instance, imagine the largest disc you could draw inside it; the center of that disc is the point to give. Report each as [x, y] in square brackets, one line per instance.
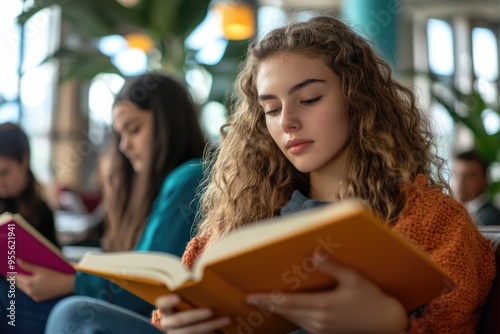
[190, 14]
[162, 17]
[96, 18]
[224, 73]
[75, 64]
[467, 109]
[82, 67]
[494, 188]
[168, 23]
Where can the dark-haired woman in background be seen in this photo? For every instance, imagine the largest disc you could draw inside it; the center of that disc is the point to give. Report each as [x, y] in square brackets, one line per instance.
[20, 192]
[151, 200]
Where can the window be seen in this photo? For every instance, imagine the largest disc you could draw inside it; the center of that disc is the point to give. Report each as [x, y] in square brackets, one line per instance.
[440, 46]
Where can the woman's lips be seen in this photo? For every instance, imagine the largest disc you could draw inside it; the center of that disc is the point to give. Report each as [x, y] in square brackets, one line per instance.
[297, 146]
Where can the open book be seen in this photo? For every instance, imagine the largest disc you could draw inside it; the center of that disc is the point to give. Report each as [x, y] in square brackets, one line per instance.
[20, 240]
[276, 256]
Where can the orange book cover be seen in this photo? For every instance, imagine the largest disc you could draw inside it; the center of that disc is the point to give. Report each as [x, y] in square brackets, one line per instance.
[276, 256]
[20, 240]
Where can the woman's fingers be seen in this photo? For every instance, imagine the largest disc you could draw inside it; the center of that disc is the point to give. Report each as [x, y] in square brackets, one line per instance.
[190, 321]
[194, 321]
[167, 303]
[338, 271]
[182, 319]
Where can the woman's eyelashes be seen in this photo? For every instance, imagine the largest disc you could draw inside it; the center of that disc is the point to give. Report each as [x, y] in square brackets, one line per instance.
[308, 102]
[132, 130]
[272, 111]
[312, 101]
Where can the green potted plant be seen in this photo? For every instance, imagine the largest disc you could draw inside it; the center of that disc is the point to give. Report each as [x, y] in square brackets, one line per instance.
[166, 23]
[468, 109]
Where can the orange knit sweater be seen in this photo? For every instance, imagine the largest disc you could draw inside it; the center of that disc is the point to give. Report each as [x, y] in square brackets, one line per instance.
[441, 227]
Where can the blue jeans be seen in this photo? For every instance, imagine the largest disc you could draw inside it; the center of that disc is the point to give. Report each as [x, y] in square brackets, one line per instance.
[85, 315]
[19, 314]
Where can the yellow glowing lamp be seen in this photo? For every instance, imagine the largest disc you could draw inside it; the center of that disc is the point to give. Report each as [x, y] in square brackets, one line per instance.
[238, 20]
[128, 3]
[139, 41]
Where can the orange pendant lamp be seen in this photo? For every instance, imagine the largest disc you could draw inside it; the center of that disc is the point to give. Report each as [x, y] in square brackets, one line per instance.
[139, 41]
[238, 18]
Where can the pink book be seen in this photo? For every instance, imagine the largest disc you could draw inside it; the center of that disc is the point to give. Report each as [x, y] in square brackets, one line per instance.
[20, 240]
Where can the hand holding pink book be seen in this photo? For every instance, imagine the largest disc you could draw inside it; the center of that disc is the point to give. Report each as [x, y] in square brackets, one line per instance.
[20, 240]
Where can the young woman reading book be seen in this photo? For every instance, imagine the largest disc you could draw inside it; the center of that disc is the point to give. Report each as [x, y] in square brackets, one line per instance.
[320, 119]
[21, 193]
[152, 186]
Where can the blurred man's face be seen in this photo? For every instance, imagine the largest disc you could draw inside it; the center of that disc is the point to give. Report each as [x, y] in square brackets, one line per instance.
[470, 180]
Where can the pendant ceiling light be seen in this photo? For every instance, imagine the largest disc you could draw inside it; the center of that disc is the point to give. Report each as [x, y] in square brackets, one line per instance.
[139, 41]
[238, 18]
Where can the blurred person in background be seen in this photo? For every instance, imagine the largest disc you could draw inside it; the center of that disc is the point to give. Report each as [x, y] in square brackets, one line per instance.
[20, 192]
[471, 184]
[150, 191]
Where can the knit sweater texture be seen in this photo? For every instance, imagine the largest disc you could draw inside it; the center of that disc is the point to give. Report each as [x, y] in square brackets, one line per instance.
[441, 227]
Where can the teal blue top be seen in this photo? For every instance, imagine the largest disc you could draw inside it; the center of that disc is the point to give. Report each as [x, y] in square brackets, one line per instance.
[168, 229]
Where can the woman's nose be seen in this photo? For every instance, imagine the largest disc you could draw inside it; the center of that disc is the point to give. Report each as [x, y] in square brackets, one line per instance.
[289, 120]
[124, 143]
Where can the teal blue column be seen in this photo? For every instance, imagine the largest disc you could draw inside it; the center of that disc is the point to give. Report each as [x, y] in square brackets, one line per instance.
[375, 20]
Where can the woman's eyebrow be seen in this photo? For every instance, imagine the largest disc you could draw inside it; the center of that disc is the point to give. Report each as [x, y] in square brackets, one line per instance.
[292, 89]
[126, 124]
[303, 84]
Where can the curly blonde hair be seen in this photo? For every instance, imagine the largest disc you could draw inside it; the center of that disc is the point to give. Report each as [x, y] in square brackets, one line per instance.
[391, 141]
